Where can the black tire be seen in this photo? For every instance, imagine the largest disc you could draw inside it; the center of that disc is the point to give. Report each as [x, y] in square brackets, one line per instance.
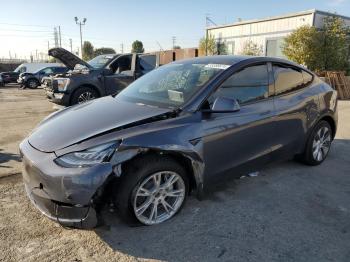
[76, 97]
[307, 157]
[32, 83]
[135, 173]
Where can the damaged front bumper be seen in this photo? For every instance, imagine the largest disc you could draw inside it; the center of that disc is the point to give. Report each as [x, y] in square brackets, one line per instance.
[65, 195]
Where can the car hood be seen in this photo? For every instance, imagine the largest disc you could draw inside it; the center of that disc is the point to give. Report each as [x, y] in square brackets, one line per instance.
[78, 123]
[67, 58]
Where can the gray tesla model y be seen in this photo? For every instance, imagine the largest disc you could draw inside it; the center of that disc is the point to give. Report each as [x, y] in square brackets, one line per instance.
[176, 130]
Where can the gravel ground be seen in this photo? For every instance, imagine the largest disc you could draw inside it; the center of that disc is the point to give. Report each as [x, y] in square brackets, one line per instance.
[289, 212]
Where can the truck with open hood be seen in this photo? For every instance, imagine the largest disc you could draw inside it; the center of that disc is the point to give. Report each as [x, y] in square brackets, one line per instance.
[102, 76]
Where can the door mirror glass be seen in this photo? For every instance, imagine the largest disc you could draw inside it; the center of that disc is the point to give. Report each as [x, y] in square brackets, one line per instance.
[224, 105]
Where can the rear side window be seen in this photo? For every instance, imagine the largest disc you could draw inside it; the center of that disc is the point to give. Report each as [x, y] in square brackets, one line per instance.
[287, 79]
[248, 85]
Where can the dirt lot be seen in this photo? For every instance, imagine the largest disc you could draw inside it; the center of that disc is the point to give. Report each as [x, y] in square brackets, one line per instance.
[290, 212]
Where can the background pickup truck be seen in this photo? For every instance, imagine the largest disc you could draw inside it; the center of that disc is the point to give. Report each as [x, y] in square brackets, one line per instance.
[104, 75]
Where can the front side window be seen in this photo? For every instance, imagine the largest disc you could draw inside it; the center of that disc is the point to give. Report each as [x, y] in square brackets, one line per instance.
[47, 71]
[171, 85]
[287, 79]
[248, 85]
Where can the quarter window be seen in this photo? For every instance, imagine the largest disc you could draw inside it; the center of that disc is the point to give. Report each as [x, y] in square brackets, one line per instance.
[287, 79]
[307, 78]
[248, 85]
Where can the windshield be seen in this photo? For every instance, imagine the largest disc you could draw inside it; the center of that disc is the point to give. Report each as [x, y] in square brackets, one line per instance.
[100, 61]
[171, 85]
[20, 69]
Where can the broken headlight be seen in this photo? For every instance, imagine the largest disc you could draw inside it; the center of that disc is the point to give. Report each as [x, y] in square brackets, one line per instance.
[62, 84]
[88, 157]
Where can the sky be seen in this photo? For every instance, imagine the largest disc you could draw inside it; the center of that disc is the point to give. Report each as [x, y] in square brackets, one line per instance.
[26, 27]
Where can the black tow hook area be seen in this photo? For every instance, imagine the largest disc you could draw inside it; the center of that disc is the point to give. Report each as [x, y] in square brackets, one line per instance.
[64, 213]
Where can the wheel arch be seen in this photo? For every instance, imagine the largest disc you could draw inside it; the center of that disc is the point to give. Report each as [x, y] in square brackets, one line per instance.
[81, 86]
[193, 171]
[330, 120]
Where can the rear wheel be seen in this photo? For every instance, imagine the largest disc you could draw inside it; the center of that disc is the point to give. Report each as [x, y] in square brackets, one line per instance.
[318, 144]
[32, 83]
[83, 94]
[152, 190]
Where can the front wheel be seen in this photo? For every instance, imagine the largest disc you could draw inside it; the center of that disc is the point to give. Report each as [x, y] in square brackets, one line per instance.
[152, 191]
[33, 83]
[83, 94]
[318, 144]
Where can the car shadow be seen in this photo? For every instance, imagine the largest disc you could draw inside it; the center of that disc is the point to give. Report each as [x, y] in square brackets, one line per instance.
[6, 157]
[287, 212]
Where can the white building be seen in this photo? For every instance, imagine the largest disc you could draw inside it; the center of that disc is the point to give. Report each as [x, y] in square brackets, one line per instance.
[267, 33]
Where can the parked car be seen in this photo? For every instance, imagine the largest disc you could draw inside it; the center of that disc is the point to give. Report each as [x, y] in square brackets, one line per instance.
[104, 75]
[12, 76]
[1, 81]
[33, 80]
[176, 130]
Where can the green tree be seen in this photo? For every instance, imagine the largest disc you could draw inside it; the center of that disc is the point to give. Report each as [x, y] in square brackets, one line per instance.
[177, 47]
[221, 48]
[324, 49]
[88, 51]
[251, 48]
[104, 51]
[336, 44]
[137, 47]
[305, 46]
[207, 45]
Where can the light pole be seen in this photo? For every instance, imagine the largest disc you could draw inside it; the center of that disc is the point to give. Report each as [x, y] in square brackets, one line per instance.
[81, 36]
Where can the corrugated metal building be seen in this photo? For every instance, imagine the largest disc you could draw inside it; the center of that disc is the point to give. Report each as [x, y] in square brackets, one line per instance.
[267, 33]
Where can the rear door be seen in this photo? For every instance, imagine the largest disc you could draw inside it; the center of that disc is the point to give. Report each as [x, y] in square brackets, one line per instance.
[123, 74]
[237, 142]
[297, 107]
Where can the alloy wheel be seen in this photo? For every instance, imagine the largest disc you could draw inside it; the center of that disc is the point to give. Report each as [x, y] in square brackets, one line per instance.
[32, 84]
[159, 197]
[321, 144]
[86, 96]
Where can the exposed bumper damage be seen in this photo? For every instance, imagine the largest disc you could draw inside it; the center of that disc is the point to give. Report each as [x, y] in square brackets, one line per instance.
[65, 195]
[70, 196]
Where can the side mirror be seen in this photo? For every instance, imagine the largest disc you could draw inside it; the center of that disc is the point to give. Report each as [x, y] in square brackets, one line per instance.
[224, 105]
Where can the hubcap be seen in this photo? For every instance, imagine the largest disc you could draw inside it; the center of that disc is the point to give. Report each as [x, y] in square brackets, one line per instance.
[32, 84]
[86, 96]
[321, 144]
[159, 197]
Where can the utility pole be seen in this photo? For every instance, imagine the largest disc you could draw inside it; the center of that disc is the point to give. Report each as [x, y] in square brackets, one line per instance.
[81, 35]
[55, 35]
[208, 21]
[174, 41]
[71, 45]
[48, 45]
[59, 35]
[122, 48]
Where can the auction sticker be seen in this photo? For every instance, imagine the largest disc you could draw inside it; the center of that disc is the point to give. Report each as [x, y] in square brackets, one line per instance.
[217, 66]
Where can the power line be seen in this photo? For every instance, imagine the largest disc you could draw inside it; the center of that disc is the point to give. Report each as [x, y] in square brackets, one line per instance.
[24, 25]
[20, 30]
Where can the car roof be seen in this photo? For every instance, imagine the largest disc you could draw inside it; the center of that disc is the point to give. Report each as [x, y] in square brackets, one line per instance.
[234, 59]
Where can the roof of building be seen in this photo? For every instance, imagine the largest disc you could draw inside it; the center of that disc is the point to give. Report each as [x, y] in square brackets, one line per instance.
[252, 21]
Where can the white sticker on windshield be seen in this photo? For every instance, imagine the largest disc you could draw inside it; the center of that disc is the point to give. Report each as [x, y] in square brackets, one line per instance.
[176, 96]
[217, 66]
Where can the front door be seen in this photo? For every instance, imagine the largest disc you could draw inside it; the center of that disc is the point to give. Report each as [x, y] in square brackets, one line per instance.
[238, 142]
[122, 74]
